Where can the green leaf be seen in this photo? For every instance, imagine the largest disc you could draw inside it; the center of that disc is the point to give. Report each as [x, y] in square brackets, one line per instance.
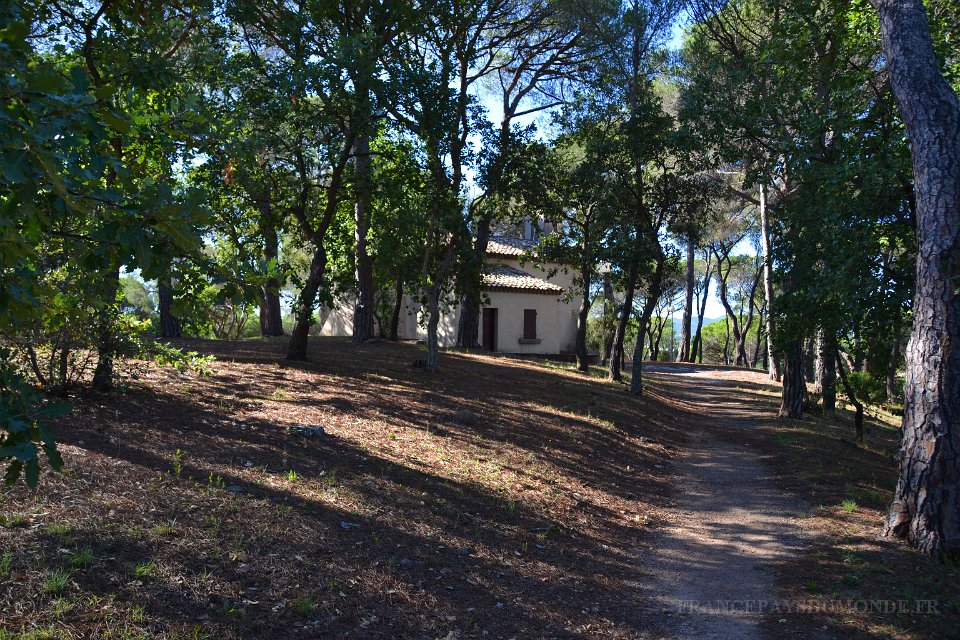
[13, 472]
[32, 473]
[22, 451]
[115, 122]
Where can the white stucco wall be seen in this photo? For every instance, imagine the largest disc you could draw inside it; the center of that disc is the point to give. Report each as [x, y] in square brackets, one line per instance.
[337, 321]
[413, 323]
[556, 316]
[510, 307]
[566, 305]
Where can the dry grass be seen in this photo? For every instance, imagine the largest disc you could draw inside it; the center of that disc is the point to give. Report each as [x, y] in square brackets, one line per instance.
[189, 510]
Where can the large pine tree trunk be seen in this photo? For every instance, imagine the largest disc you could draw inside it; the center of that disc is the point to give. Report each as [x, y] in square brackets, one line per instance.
[772, 361]
[926, 505]
[169, 325]
[616, 354]
[794, 382]
[303, 310]
[684, 352]
[363, 312]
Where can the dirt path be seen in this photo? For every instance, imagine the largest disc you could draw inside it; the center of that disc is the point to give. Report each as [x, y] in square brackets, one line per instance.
[708, 568]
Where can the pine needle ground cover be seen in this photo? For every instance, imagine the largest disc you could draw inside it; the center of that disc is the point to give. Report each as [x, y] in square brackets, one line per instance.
[351, 496]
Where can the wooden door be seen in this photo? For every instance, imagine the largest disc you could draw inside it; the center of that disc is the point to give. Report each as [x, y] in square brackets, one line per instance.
[489, 341]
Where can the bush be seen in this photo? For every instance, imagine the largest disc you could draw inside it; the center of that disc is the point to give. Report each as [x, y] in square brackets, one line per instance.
[22, 407]
[868, 388]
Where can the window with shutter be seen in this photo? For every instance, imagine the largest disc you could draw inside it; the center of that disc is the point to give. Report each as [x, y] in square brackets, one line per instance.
[529, 324]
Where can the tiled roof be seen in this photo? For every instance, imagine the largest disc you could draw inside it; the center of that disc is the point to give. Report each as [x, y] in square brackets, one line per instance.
[512, 279]
[506, 246]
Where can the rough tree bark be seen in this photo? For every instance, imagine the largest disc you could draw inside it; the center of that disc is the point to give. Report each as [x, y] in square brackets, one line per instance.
[773, 361]
[169, 324]
[363, 312]
[825, 380]
[794, 383]
[684, 353]
[808, 357]
[926, 504]
[615, 364]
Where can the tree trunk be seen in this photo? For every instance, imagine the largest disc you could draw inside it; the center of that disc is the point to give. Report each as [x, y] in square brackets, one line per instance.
[303, 310]
[107, 320]
[761, 339]
[609, 306]
[825, 380]
[794, 383]
[655, 349]
[169, 324]
[808, 352]
[893, 392]
[926, 505]
[818, 362]
[583, 359]
[857, 405]
[614, 372]
[653, 294]
[773, 362]
[684, 352]
[468, 329]
[726, 343]
[433, 322]
[363, 312]
[107, 332]
[397, 308]
[271, 319]
[857, 348]
[698, 338]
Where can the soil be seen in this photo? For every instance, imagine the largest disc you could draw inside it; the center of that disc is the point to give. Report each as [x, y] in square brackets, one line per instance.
[355, 496]
[709, 569]
[196, 507]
